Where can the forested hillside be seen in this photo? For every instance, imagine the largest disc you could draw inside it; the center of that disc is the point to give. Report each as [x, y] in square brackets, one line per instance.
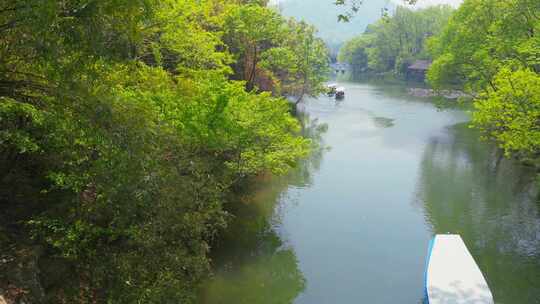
[323, 14]
[124, 128]
[394, 42]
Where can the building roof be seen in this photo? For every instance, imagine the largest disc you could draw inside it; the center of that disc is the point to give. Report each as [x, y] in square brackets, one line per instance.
[420, 65]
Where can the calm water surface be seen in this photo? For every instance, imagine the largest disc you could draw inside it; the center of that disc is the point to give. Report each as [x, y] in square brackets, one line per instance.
[352, 223]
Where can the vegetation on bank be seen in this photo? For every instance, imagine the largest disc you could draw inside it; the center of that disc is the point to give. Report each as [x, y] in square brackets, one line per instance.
[488, 49]
[123, 127]
[491, 49]
[394, 42]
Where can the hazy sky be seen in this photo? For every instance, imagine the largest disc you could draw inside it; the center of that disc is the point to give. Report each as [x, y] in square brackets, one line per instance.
[421, 3]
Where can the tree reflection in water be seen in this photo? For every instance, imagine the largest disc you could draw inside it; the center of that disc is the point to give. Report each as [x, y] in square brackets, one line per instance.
[466, 187]
[252, 262]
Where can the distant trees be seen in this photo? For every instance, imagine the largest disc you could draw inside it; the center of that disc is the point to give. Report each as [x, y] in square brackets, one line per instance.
[356, 53]
[355, 5]
[491, 49]
[122, 134]
[394, 42]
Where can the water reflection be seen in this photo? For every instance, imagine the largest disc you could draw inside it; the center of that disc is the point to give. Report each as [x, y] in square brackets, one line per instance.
[253, 264]
[466, 187]
[272, 277]
[302, 175]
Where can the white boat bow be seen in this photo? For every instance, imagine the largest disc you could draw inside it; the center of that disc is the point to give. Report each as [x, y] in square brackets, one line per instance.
[452, 275]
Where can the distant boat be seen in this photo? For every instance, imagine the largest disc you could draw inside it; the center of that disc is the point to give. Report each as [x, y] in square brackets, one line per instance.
[452, 275]
[331, 89]
[340, 93]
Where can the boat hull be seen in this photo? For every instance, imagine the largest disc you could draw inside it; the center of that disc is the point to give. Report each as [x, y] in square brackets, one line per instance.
[452, 275]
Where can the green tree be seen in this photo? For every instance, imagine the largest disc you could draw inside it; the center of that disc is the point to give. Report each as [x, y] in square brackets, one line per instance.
[394, 42]
[480, 38]
[355, 52]
[491, 49]
[299, 66]
[122, 137]
[249, 31]
[511, 114]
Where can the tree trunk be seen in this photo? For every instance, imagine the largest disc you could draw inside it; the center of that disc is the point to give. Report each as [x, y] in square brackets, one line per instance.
[251, 76]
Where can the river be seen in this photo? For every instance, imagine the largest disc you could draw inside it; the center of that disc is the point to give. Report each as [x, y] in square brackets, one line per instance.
[351, 224]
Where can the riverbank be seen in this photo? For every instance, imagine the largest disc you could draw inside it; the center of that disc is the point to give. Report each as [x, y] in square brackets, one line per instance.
[428, 93]
[414, 88]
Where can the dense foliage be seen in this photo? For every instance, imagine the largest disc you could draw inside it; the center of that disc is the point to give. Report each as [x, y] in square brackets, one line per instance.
[491, 49]
[275, 55]
[394, 42]
[123, 126]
